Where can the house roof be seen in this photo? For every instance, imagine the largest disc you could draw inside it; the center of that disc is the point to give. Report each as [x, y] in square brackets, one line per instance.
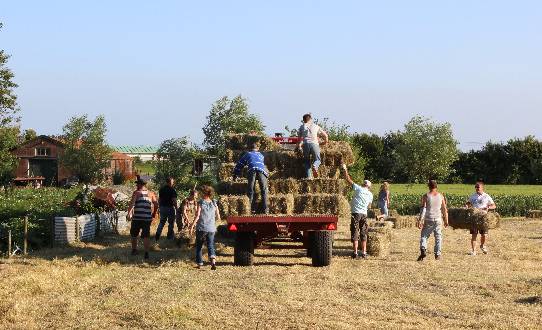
[136, 149]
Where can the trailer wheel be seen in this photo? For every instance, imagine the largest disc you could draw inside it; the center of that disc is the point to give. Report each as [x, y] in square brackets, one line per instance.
[244, 249]
[321, 248]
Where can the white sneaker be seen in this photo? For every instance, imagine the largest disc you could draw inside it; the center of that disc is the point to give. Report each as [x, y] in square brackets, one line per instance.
[472, 253]
[484, 249]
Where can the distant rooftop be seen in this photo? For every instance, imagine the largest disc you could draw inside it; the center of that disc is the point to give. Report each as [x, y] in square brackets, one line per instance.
[136, 149]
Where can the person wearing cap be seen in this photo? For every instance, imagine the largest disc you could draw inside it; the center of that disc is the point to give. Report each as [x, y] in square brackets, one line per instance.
[361, 200]
[254, 161]
[142, 210]
[434, 213]
[482, 201]
[309, 134]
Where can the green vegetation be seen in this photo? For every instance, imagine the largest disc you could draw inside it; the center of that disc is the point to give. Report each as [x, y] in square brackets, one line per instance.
[463, 189]
[145, 168]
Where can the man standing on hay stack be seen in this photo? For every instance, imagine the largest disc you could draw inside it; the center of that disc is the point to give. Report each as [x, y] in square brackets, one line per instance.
[361, 200]
[309, 133]
[482, 201]
[254, 160]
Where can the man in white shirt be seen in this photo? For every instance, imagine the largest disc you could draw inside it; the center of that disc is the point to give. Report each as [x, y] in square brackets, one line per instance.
[361, 200]
[482, 201]
[310, 132]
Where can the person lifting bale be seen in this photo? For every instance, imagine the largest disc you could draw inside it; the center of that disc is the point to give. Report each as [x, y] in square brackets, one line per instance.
[309, 134]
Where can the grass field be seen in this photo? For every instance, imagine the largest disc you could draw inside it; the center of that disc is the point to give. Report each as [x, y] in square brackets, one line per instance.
[99, 285]
[145, 168]
[463, 189]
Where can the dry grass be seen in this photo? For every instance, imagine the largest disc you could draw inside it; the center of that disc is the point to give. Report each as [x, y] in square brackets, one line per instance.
[100, 286]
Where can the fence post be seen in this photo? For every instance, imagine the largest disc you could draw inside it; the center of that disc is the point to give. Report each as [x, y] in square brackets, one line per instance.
[52, 228]
[76, 228]
[9, 243]
[25, 242]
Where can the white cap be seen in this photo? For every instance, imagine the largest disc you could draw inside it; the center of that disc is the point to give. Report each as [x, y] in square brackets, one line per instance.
[367, 183]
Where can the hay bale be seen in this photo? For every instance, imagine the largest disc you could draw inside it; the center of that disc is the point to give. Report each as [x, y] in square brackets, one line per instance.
[534, 214]
[323, 185]
[232, 187]
[234, 205]
[232, 156]
[379, 241]
[467, 218]
[373, 213]
[332, 204]
[283, 186]
[281, 204]
[401, 222]
[342, 148]
[244, 141]
[372, 223]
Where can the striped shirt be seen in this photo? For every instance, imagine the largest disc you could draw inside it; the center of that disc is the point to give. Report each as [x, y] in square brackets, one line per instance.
[142, 206]
[254, 160]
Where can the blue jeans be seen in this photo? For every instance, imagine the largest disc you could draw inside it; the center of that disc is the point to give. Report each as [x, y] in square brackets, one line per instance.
[311, 150]
[254, 176]
[435, 227]
[167, 214]
[210, 238]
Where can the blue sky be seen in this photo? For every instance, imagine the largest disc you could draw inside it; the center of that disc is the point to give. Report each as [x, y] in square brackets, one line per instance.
[154, 68]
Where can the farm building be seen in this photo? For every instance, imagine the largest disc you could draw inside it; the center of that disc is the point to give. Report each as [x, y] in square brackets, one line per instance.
[38, 159]
[145, 153]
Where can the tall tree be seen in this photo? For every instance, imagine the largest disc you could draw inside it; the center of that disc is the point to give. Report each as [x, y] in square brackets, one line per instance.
[9, 121]
[175, 159]
[228, 116]
[86, 152]
[428, 150]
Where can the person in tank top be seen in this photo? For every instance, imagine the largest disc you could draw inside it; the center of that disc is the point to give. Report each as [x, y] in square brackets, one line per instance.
[142, 210]
[434, 214]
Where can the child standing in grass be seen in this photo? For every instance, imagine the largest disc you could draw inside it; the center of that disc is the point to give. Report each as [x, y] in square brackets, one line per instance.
[384, 200]
[205, 225]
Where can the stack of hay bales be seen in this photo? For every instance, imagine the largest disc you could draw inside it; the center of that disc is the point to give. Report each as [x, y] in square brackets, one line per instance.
[534, 214]
[467, 218]
[403, 221]
[379, 239]
[289, 193]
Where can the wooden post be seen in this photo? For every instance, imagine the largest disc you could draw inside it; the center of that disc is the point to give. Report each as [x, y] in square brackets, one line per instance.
[76, 228]
[9, 243]
[52, 228]
[25, 242]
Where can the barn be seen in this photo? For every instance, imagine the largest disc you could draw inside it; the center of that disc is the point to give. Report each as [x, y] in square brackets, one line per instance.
[39, 159]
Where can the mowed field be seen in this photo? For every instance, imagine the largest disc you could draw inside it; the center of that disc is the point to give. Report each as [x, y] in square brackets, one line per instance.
[463, 189]
[99, 285]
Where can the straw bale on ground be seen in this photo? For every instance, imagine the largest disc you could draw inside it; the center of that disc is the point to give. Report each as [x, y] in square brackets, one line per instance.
[467, 218]
[379, 241]
[403, 221]
[534, 214]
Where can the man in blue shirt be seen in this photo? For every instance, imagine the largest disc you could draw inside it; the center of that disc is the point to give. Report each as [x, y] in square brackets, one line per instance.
[361, 200]
[254, 161]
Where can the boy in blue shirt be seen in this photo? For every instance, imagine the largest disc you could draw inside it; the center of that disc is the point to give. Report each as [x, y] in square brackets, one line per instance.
[254, 160]
[361, 200]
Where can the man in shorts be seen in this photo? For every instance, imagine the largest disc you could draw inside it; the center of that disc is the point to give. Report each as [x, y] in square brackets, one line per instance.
[482, 201]
[361, 200]
[142, 210]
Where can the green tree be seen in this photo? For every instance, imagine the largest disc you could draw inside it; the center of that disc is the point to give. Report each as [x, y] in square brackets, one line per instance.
[86, 152]
[428, 150]
[9, 121]
[175, 159]
[29, 134]
[228, 116]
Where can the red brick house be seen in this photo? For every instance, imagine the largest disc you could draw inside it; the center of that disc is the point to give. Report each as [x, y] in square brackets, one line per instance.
[39, 158]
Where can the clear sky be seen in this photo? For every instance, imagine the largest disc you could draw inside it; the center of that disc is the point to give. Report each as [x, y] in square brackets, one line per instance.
[153, 68]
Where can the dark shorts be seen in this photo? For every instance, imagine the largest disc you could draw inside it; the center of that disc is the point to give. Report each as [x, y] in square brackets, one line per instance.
[476, 231]
[140, 226]
[358, 227]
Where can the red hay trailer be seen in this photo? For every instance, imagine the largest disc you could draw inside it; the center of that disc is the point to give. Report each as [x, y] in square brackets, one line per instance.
[314, 232]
